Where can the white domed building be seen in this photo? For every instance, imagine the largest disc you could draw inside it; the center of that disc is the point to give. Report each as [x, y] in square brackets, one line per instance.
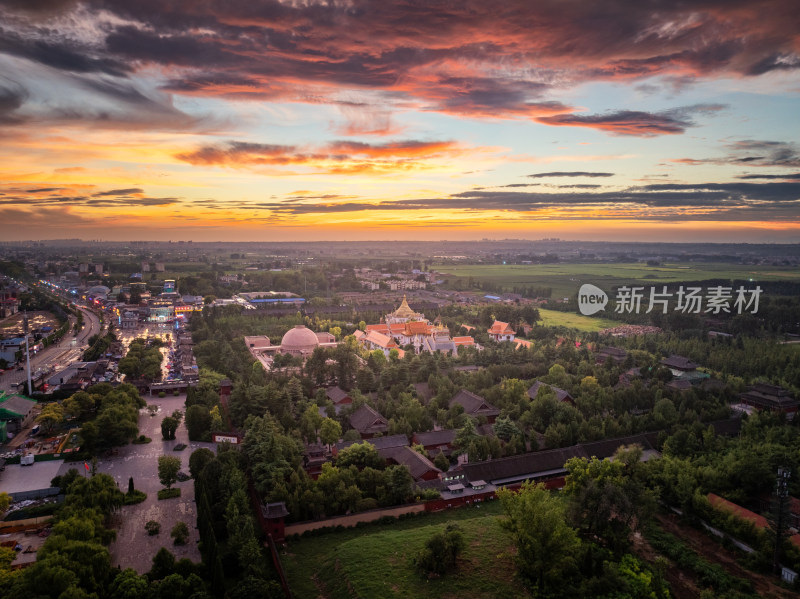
[298, 341]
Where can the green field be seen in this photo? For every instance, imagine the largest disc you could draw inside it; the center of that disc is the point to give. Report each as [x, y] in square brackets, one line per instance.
[554, 318]
[375, 561]
[565, 279]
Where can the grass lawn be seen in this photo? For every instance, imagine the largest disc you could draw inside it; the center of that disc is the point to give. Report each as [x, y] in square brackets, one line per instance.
[565, 279]
[554, 318]
[375, 561]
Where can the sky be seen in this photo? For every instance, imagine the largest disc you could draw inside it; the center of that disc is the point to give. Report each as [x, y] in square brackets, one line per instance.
[256, 120]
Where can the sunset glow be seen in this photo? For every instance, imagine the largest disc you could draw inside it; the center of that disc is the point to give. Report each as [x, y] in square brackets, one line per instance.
[270, 120]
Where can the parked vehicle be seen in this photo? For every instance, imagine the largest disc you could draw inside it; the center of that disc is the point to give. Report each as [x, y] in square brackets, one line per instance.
[26, 460]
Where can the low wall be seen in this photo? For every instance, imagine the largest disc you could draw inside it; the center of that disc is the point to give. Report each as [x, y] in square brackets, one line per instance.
[352, 520]
[20, 525]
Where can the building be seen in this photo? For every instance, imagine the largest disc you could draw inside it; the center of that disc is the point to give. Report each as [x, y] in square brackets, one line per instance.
[16, 411]
[615, 354]
[684, 372]
[265, 299]
[436, 442]
[404, 327]
[299, 341]
[338, 396]
[475, 405]
[9, 348]
[561, 395]
[420, 467]
[762, 396]
[368, 422]
[501, 331]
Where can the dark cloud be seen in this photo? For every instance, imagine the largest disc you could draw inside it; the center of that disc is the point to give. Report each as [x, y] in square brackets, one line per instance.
[569, 174]
[752, 152]
[12, 97]
[471, 58]
[78, 196]
[62, 55]
[790, 176]
[118, 192]
[634, 122]
[704, 201]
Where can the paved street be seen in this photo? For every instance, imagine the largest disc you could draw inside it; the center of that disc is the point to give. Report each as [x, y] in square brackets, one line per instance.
[60, 354]
[134, 548]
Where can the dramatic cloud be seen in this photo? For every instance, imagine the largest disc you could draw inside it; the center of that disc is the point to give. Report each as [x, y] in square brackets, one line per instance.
[77, 196]
[12, 97]
[637, 123]
[785, 176]
[339, 157]
[470, 58]
[705, 201]
[751, 153]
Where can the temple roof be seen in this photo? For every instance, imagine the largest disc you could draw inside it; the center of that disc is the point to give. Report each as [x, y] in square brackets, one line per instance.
[404, 311]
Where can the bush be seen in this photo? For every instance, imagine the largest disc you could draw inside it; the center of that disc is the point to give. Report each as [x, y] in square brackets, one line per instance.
[180, 532]
[440, 552]
[134, 498]
[152, 527]
[141, 440]
[169, 493]
[162, 394]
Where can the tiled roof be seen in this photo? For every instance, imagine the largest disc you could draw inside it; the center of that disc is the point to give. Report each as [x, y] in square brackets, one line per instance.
[679, 363]
[561, 395]
[500, 328]
[378, 442]
[443, 437]
[367, 421]
[336, 394]
[417, 463]
[380, 339]
[474, 404]
[723, 504]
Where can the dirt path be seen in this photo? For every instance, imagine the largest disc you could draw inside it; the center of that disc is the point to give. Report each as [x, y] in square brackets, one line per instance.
[715, 553]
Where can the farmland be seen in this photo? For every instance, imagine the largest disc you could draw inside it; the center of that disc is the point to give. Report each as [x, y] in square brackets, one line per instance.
[375, 561]
[554, 318]
[565, 279]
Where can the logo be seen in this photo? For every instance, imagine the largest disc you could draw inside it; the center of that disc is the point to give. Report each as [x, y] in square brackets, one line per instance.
[591, 299]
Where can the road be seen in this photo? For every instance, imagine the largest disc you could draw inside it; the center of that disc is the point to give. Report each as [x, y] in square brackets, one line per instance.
[68, 350]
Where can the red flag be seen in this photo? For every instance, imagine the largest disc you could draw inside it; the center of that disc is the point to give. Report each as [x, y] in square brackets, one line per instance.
[85, 465]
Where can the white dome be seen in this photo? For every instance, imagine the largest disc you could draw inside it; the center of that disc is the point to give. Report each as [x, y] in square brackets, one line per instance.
[299, 340]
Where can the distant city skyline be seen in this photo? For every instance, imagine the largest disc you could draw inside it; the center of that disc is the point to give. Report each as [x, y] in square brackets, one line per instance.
[277, 121]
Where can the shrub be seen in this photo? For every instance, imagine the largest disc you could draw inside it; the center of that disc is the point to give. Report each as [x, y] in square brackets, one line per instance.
[180, 532]
[169, 493]
[134, 498]
[440, 552]
[162, 394]
[152, 527]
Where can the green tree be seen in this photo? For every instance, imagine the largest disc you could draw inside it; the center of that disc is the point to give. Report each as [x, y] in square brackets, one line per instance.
[168, 427]
[546, 545]
[607, 498]
[198, 460]
[51, 416]
[129, 585]
[5, 501]
[168, 468]
[360, 455]
[198, 421]
[330, 431]
[441, 551]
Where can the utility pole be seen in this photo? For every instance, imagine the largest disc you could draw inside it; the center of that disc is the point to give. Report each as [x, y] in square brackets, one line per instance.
[780, 509]
[27, 350]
